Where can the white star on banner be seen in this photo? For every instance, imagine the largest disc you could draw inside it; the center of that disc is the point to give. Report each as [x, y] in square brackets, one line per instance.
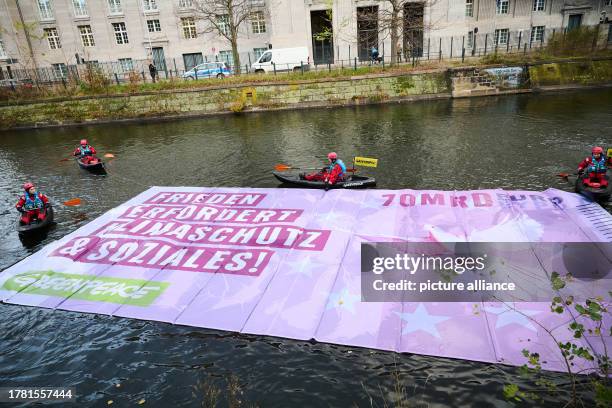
[342, 300]
[506, 317]
[420, 319]
[303, 266]
[372, 204]
[339, 217]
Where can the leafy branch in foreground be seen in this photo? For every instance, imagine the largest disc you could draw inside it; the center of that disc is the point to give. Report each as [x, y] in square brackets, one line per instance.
[586, 324]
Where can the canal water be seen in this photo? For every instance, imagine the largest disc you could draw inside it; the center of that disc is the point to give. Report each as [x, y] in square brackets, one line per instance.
[513, 142]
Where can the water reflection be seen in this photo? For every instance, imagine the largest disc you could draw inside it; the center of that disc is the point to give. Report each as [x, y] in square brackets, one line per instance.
[517, 142]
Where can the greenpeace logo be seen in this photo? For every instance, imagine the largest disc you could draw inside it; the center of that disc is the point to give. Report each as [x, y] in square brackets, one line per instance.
[136, 292]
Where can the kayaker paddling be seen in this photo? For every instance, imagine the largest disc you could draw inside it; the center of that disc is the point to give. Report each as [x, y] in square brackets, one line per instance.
[592, 178]
[334, 172]
[32, 204]
[595, 166]
[85, 151]
[86, 158]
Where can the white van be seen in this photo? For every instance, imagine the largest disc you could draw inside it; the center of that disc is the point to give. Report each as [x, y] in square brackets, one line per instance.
[285, 59]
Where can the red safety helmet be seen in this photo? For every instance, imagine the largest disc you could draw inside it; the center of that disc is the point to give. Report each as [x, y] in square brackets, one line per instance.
[332, 156]
[83, 142]
[27, 186]
[597, 150]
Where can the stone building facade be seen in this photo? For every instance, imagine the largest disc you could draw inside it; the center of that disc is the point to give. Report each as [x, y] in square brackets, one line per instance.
[60, 33]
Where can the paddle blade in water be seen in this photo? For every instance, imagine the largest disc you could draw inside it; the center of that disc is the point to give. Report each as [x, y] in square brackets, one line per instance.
[109, 155]
[563, 175]
[73, 202]
[282, 167]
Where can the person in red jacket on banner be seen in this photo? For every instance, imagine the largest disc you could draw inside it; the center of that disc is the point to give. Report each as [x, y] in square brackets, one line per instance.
[330, 174]
[596, 166]
[85, 151]
[31, 204]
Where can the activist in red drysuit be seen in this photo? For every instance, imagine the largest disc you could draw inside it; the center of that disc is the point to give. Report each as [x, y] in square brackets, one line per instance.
[86, 151]
[331, 174]
[596, 166]
[31, 204]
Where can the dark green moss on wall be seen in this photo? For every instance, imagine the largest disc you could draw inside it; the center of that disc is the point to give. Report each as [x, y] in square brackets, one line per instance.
[403, 83]
[580, 73]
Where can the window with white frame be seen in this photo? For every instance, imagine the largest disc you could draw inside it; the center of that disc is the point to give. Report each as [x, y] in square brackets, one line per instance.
[501, 36]
[258, 22]
[53, 38]
[226, 56]
[127, 64]
[59, 70]
[121, 35]
[87, 38]
[538, 5]
[185, 3]
[80, 8]
[189, 27]
[470, 40]
[153, 26]
[537, 34]
[2, 50]
[223, 24]
[258, 52]
[149, 5]
[114, 6]
[469, 8]
[502, 6]
[44, 7]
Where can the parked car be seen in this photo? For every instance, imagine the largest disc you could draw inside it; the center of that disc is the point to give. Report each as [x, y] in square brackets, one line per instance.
[14, 83]
[208, 70]
[284, 59]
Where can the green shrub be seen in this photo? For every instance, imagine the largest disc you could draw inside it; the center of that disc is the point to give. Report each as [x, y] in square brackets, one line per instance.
[577, 42]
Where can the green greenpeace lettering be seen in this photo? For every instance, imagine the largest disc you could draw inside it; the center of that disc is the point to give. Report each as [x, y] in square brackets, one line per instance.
[137, 292]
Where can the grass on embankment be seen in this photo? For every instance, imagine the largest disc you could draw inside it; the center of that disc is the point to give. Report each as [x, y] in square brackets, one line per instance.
[97, 84]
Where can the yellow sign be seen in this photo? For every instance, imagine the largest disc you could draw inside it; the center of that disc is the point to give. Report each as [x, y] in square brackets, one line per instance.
[366, 162]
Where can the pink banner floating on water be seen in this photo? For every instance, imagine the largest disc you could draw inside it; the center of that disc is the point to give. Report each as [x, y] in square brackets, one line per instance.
[286, 262]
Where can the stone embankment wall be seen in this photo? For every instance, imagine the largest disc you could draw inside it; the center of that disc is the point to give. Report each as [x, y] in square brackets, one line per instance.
[256, 97]
[497, 80]
[585, 73]
[367, 89]
[468, 82]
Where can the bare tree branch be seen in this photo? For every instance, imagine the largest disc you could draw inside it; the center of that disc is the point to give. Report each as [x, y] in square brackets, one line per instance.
[397, 20]
[225, 18]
